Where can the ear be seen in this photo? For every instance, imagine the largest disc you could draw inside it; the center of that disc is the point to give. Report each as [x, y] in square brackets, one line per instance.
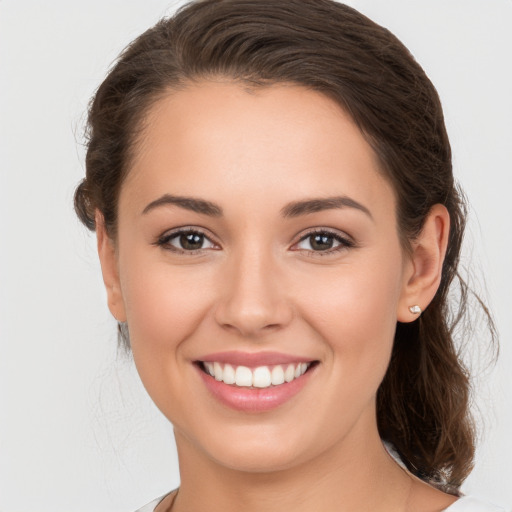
[423, 269]
[109, 269]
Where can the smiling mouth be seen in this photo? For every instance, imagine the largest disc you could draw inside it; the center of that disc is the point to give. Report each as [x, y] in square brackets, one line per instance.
[256, 378]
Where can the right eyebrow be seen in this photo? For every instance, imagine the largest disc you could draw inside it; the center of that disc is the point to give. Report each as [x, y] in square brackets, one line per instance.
[188, 203]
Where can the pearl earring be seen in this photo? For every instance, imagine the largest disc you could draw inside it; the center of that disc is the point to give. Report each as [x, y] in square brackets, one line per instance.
[415, 310]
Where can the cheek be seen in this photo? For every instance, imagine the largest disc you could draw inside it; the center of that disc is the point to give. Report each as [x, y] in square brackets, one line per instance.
[164, 307]
[357, 297]
[164, 304]
[354, 310]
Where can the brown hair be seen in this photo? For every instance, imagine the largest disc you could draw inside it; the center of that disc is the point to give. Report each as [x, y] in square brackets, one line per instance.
[422, 403]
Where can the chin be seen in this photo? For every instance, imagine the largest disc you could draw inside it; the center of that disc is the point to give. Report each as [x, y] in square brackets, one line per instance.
[257, 460]
[260, 449]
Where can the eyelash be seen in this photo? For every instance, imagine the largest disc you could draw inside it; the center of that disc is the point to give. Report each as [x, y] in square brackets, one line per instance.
[164, 241]
[344, 242]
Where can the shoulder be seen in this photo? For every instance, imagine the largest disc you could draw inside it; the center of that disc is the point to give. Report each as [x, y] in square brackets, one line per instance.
[473, 504]
[463, 504]
[151, 506]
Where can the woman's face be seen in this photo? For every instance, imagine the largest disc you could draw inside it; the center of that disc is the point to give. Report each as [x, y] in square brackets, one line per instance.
[255, 231]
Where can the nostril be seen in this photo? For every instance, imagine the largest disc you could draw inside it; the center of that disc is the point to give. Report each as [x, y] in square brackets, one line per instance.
[252, 311]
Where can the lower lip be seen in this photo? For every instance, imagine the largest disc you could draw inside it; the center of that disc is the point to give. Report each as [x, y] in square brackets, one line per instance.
[253, 399]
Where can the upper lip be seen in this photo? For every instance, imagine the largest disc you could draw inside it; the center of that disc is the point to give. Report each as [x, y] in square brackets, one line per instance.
[253, 359]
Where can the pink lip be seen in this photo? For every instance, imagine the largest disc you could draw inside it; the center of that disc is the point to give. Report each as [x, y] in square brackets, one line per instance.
[253, 360]
[253, 399]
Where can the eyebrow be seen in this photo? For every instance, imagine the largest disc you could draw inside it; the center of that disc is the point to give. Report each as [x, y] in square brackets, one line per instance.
[188, 203]
[314, 205]
[291, 210]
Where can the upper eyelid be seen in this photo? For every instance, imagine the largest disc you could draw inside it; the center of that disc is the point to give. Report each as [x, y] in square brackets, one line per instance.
[187, 229]
[331, 231]
[163, 240]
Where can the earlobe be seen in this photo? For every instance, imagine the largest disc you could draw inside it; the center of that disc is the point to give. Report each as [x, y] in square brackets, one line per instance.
[424, 270]
[109, 269]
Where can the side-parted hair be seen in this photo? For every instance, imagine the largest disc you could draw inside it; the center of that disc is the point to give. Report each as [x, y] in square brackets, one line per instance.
[325, 46]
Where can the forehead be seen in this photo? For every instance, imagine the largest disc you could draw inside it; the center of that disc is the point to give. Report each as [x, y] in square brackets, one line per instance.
[218, 138]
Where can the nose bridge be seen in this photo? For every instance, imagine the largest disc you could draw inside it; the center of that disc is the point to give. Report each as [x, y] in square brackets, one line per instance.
[253, 299]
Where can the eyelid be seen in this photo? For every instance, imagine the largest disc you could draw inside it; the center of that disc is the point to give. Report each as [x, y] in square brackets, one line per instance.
[346, 241]
[163, 239]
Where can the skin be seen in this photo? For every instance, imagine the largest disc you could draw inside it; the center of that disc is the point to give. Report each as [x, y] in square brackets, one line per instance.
[257, 284]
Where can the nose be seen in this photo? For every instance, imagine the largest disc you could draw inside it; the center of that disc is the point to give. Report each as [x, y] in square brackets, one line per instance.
[252, 299]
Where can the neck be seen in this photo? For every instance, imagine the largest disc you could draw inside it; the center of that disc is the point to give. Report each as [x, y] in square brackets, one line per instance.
[358, 474]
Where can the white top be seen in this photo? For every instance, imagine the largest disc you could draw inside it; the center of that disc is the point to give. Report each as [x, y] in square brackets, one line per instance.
[463, 504]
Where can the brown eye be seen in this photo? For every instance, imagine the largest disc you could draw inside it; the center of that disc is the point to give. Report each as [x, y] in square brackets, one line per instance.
[191, 241]
[323, 241]
[186, 241]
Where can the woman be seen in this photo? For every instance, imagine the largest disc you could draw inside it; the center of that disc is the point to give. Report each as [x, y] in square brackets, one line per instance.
[278, 227]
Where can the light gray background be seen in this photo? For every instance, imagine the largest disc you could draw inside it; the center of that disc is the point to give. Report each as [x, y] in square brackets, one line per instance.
[77, 431]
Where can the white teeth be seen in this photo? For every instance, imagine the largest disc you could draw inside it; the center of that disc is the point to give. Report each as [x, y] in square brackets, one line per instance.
[229, 374]
[277, 375]
[261, 377]
[243, 376]
[209, 368]
[289, 374]
[217, 369]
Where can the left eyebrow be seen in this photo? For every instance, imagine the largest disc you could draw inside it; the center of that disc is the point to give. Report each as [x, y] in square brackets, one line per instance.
[308, 206]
